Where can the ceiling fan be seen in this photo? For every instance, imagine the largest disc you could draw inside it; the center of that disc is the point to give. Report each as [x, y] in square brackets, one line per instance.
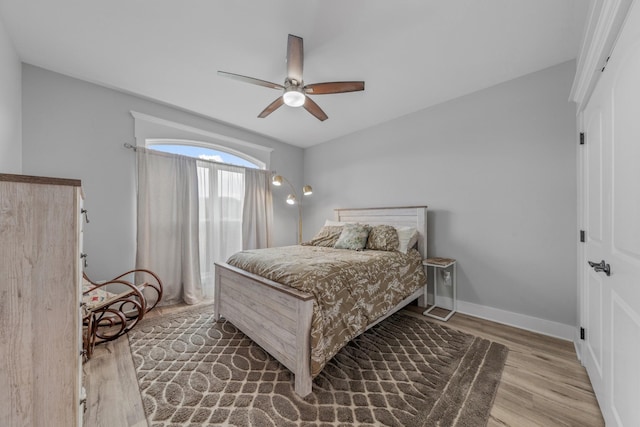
[295, 92]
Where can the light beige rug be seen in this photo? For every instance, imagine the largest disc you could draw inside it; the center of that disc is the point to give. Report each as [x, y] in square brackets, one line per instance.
[406, 371]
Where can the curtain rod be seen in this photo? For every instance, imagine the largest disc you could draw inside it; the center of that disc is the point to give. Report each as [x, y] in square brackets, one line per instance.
[162, 153]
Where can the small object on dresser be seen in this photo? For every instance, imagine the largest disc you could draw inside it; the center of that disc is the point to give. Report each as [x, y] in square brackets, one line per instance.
[445, 267]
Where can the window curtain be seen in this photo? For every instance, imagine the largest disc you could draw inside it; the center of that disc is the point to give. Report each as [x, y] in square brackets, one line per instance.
[193, 213]
[257, 213]
[221, 200]
[167, 231]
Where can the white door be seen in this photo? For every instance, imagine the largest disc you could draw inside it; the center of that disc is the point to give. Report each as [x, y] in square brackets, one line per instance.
[594, 305]
[611, 203]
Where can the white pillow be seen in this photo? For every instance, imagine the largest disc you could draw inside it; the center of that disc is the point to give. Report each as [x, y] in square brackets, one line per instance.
[408, 237]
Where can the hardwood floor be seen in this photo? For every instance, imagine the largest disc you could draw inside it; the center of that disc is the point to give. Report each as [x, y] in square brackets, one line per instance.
[543, 383]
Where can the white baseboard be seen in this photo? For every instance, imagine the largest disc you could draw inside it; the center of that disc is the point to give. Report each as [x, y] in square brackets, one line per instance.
[578, 349]
[577, 343]
[522, 321]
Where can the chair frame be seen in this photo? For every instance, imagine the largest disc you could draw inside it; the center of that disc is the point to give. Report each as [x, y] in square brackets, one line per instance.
[117, 315]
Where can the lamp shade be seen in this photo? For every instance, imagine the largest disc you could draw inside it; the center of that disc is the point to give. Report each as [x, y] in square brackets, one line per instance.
[276, 180]
[291, 199]
[307, 190]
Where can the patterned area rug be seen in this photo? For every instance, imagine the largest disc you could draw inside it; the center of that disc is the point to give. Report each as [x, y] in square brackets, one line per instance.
[405, 371]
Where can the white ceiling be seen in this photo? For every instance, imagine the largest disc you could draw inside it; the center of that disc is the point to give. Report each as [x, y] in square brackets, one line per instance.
[411, 54]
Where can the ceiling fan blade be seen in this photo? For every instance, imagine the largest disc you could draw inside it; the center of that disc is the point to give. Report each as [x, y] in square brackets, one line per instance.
[314, 109]
[333, 87]
[250, 80]
[271, 107]
[295, 58]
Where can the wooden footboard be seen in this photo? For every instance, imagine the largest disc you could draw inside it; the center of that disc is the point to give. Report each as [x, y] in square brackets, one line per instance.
[276, 317]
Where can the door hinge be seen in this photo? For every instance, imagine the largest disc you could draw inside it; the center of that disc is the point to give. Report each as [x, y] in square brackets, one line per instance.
[581, 138]
[583, 236]
[582, 334]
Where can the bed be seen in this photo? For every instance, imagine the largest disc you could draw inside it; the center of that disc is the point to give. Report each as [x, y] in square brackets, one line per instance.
[279, 318]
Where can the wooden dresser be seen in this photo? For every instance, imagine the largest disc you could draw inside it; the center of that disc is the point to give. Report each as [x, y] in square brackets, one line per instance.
[40, 293]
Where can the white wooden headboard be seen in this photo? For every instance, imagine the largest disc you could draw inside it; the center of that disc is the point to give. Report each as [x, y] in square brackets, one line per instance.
[410, 216]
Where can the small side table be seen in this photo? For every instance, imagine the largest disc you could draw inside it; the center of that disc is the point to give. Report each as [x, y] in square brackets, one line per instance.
[438, 265]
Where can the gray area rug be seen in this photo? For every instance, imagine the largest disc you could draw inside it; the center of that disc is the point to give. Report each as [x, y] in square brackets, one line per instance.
[405, 371]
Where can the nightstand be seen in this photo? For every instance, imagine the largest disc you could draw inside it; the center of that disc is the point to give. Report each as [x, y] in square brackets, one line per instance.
[444, 270]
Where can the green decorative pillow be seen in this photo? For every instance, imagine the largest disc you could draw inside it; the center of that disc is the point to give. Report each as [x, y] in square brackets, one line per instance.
[383, 238]
[353, 236]
[327, 236]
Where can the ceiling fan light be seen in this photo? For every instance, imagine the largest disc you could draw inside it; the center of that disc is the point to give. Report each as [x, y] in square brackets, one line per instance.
[291, 199]
[293, 98]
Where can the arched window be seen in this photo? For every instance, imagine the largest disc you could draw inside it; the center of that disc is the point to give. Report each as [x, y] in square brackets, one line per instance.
[159, 134]
[225, 166]
[221, 193]
[205, 151]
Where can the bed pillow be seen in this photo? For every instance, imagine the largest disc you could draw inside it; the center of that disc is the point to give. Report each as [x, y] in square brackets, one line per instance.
[353, 236]
[383, 238]
[327, 236]
[408, 237]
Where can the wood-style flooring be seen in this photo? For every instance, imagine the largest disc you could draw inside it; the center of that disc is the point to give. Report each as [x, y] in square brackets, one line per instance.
[543, 383]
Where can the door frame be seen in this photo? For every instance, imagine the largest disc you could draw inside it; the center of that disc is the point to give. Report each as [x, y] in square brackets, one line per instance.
[605, 19]
[581, 246]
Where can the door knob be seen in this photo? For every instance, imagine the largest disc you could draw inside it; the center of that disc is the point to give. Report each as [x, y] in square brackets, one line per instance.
[601, 266]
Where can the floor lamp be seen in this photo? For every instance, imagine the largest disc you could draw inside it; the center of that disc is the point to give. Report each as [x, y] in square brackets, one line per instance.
[292, 199]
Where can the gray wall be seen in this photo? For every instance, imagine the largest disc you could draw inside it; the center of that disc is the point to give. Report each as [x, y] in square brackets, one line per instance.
[10, 106]
[76, 129]
[497, 169]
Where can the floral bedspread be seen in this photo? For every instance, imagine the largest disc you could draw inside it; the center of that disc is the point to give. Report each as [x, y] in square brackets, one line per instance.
[352, 289]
